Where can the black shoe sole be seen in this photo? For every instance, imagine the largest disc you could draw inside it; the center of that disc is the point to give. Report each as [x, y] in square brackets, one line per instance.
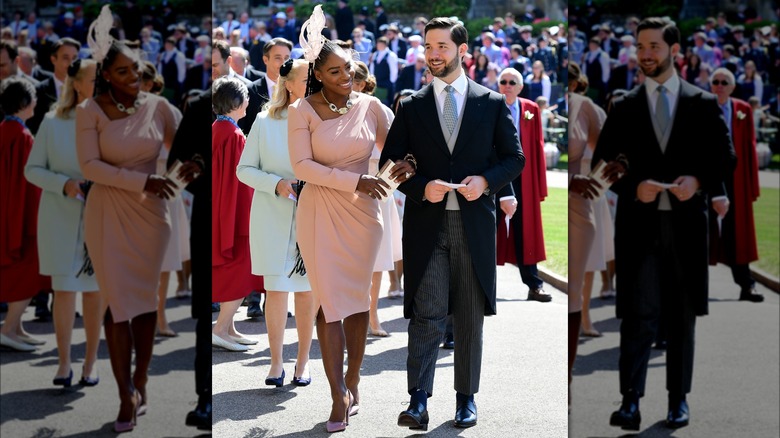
[676, 424]
[411, 423]
[465, 425]
[625, 426]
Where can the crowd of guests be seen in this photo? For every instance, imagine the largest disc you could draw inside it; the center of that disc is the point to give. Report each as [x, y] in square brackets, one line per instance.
[90, 109]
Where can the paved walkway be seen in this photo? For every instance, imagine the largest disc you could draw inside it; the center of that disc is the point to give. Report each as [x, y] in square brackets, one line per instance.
[522, 394]
[32, 407]
[736, 380]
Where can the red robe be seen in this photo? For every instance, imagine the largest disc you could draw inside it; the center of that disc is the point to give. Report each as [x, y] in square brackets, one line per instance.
[737, 241]
[231, 268]
[19, 275]
[533, 183]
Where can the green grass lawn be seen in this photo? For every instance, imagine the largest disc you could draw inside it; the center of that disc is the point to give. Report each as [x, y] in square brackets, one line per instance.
[767, 217]
[555, 211]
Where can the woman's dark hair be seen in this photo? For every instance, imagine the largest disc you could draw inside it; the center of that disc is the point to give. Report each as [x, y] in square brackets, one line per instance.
[312, 84]
[16, 94]
[228, 94]
[116, 48]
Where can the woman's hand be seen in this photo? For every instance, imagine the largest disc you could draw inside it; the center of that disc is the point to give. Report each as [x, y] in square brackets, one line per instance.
[584, 186]
[189, 171]
[160, 186]
[403, 171]
[284, 188]
[372, 186]
[72, 189]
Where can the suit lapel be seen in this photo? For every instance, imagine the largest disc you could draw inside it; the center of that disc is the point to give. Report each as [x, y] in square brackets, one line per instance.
[428, 114]
[642, 110]
[684, 102]
[472, 114]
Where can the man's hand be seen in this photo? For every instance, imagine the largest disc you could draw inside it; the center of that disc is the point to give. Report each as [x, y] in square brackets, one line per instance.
[687, 186]
[509, 206]
[647, 192]
[475, 187]
[435, 192]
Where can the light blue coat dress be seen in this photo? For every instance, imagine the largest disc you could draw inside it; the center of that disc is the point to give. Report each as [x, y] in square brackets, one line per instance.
[264, 162]
[52, 162]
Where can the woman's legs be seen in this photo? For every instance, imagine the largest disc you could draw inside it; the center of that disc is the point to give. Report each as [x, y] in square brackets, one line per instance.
[120, 352]
[587, 289]
[143, 327]
[394, 283]
[162, 294]
[93, 318]
[355, 330]
[13, 319]
[331, 338]
[276, 320]
[304, 321]
[224, 327]
[376, 326]
[64, 317]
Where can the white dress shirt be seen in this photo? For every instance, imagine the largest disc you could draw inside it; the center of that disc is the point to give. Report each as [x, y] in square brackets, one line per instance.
[460, 85]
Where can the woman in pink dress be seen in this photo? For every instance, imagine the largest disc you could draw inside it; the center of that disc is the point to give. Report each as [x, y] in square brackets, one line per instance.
[331, 135]
[119, 134]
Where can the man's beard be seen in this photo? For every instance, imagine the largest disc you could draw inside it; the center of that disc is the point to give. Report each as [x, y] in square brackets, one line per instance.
[665, 65]
[446, 70]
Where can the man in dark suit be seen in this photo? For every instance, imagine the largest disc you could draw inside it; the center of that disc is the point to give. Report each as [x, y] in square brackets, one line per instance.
[188, 145]
[624, 76]
[184, 43]
[345, 21]
[220, 66]
[240, 64]
[199, 76]
[665, 131]
[452, 131]
[64, 52]
[381, 17]
[412, 76]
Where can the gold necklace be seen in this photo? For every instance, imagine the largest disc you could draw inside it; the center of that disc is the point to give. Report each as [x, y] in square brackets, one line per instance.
[333, 107]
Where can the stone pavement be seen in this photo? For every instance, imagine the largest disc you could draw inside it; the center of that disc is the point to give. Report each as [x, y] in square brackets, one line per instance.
[31, 407]
[522, 393]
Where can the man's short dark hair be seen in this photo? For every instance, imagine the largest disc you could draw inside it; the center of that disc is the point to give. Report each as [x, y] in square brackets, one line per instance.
[228, 94]
[16, 94]
[276, 42]
[222, 47]
[10, 47]
[67, 41]
[669, 30]
[458, 32]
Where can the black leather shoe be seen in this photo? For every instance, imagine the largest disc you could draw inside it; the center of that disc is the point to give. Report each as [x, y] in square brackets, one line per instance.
[200, 417]
[627, 417]
[42, 312]
[466, 414]
[449, 342]
[751, 295]
[254, 311]
[678, 415]
[413, 418]
[660, 345]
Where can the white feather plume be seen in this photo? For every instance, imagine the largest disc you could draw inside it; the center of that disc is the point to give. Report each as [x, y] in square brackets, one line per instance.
[99, 37]
[311, 37]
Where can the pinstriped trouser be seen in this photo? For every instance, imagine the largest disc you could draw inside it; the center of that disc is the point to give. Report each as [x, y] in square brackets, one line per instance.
[449, 278]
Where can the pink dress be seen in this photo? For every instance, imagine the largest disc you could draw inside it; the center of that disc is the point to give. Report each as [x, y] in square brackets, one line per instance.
[339, 230]
[126, 229]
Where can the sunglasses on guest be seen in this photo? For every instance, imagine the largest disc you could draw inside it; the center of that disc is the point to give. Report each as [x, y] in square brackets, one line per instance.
[504, 82]
[718, 82]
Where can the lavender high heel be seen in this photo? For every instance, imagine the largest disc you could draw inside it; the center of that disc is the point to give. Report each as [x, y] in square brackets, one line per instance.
[338, 426]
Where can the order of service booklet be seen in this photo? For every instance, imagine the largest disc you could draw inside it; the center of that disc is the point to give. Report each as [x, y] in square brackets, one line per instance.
[384, 174]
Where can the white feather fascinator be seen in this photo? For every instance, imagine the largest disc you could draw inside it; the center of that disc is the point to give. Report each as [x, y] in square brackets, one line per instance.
[99, 37]
[311, 37]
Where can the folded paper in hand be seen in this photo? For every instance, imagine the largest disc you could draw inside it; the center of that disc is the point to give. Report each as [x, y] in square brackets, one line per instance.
[450, 185]
[665, 186]
[384, 174]
[173, 175]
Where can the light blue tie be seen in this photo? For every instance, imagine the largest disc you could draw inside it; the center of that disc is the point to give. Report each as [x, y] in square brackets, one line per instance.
[450, 110]
[662, 109]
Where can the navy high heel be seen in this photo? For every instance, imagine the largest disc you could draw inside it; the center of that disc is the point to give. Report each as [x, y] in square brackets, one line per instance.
[64, 381]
